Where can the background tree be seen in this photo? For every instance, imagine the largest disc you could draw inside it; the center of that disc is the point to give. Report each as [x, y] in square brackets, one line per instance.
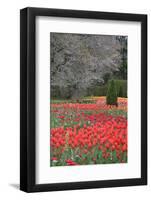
[80, 61]
[122, 73]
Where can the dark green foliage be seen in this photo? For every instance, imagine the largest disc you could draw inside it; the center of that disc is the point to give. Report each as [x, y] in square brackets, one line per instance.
[98, 90]
[106, 77]
[61, 92]
[123, 70]
[121, 87]
[55, 92]
[101, 90]
[120, 94]
[122, 73]
[111, 98]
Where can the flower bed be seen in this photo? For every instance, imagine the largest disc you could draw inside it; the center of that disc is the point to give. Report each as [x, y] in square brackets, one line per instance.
[88, 133]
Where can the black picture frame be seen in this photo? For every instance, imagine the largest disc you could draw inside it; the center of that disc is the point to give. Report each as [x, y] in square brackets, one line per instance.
[28, 99]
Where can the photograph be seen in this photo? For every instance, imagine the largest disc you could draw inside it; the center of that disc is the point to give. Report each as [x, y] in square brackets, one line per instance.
[83, 99]
[88, 99]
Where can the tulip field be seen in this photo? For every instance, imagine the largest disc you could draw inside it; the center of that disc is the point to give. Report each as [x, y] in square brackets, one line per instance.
[87, 131]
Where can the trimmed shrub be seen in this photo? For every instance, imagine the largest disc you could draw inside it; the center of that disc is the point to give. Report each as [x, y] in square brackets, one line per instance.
[111, 98]
[120, 93]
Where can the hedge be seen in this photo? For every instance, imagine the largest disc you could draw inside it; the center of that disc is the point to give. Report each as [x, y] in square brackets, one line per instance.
[121, 87]
[98, 90]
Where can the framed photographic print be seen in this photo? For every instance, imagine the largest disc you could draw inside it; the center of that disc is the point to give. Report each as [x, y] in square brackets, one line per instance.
[83, 99]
